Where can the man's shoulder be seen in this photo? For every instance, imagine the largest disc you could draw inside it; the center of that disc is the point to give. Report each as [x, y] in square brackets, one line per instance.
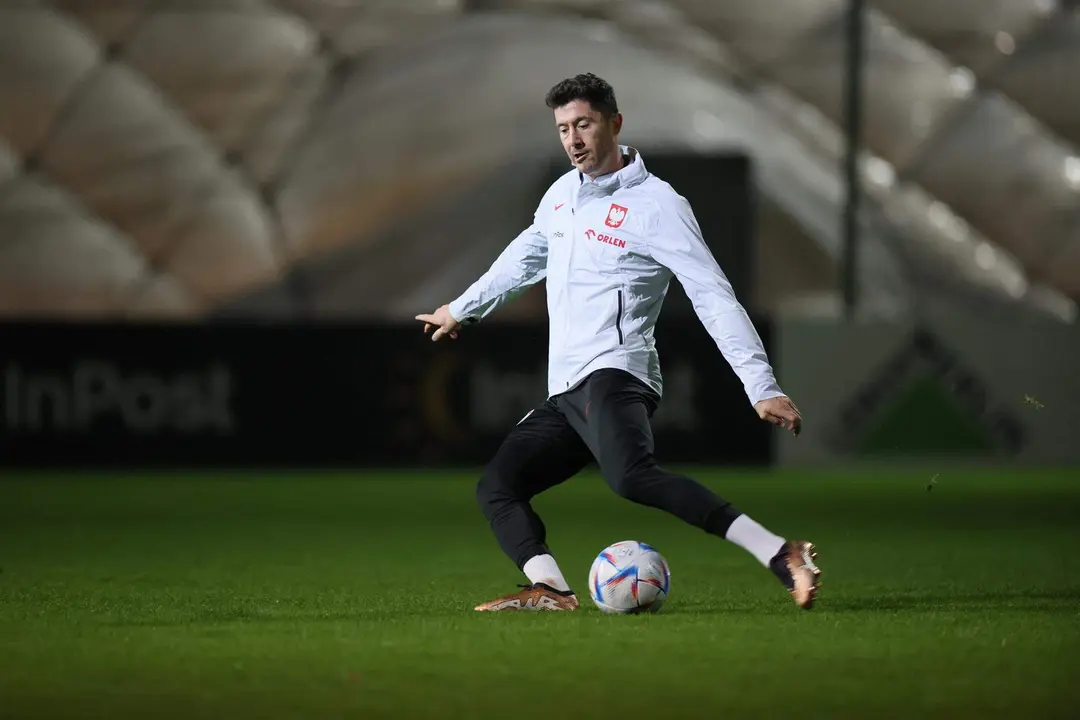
[564, 182]
[662, 191]
[559, 189]
[656, 196]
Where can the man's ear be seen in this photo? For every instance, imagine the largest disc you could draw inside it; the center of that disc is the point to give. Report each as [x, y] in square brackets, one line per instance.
[616, 123]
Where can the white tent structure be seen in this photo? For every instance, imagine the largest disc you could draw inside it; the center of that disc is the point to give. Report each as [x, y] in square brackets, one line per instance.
[164, 159]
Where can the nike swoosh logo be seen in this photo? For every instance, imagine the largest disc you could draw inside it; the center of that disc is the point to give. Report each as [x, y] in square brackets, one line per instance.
[559, 205]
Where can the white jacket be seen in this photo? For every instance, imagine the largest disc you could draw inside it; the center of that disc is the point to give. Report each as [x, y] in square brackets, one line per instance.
[608, 249]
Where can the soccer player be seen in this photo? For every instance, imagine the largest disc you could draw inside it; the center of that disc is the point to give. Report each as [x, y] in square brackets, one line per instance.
[607, 237]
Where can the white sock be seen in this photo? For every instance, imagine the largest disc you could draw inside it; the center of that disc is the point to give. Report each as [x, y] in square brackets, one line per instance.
[761, 543]
[543, 568]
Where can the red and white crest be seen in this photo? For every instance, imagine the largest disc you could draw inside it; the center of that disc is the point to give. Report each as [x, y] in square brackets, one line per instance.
[615, 216]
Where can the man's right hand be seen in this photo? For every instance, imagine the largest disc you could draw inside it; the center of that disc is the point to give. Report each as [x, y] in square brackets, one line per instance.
[780, 411]
[443, 322]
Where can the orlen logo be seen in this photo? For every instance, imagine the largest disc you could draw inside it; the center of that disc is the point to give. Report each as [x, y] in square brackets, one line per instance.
[609, 239]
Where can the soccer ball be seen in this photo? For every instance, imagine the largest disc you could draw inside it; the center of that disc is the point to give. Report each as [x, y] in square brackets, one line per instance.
[629, 577]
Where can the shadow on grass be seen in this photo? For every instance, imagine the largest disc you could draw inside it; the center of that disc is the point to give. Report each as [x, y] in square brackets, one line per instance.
[224, 618]
[1052, 602]
[1066, 601]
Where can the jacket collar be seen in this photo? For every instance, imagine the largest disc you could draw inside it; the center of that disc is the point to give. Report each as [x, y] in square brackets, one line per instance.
[632, 174]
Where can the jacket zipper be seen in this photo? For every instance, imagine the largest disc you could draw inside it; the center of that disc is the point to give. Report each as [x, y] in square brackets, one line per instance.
[569, 263]
[618, 319]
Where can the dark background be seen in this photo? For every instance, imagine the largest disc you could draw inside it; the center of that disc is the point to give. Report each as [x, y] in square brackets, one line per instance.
[358, 393]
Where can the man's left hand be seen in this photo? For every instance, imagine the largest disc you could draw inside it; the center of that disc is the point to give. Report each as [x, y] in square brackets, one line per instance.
[780, 411]
[443, 323]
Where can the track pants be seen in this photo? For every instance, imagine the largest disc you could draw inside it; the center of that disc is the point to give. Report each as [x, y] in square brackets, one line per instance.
[605, 418]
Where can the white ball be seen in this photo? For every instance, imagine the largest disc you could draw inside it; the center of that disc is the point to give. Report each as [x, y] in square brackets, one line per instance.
[629, 577]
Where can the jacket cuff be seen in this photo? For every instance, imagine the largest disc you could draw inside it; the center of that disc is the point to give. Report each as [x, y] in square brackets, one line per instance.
[458, 311]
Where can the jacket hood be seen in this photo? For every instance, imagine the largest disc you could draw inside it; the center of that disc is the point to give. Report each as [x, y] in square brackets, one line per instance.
[633, 174]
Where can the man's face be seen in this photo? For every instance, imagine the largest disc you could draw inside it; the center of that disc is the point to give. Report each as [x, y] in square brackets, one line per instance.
[590, 140]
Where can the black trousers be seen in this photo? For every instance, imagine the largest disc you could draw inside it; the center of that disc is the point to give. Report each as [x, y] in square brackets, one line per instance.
[606, 418]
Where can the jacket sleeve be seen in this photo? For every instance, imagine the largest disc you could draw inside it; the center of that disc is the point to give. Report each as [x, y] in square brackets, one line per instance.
[675, 242]
[521, 264]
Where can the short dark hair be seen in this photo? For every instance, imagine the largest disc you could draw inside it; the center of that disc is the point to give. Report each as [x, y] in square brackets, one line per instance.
[585, 86]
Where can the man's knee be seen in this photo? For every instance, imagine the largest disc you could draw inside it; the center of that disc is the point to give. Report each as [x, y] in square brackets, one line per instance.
[500, 481]
[489, 487]
[632, 480]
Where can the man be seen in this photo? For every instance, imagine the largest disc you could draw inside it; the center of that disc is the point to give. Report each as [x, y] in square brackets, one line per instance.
[607, 237]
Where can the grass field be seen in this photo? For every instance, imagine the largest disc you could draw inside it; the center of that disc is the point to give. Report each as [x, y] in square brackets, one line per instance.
[293, 596]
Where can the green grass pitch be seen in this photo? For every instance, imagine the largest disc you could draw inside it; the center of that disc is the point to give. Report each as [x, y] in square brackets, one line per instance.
[351, 595]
